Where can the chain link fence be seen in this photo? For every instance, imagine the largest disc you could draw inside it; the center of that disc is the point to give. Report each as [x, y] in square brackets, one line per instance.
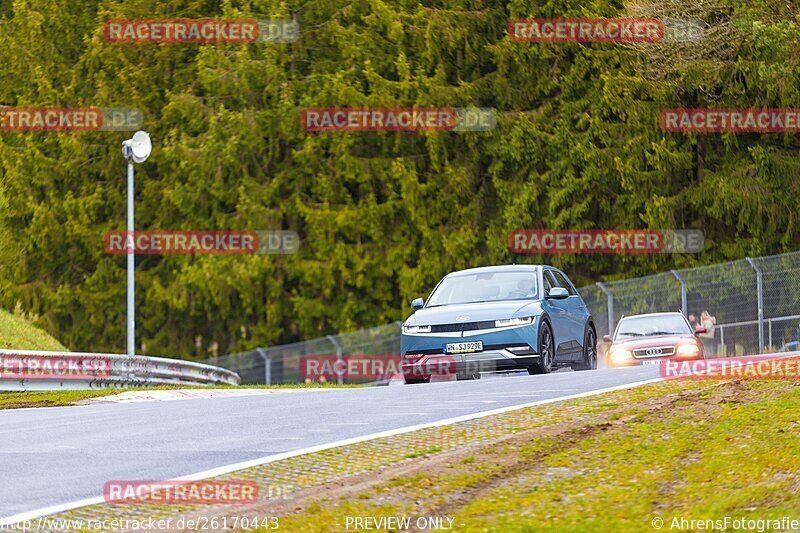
[369, 355]
[754, 302]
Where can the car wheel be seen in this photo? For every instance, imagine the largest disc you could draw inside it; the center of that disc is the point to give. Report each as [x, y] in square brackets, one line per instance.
[546, 351]
[589, 351]
[415, 381]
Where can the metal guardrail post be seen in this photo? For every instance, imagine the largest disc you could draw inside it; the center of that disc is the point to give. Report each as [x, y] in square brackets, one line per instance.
[338, 347]
[610, 306]
[683, 292]
[267, 365]
[760, 291]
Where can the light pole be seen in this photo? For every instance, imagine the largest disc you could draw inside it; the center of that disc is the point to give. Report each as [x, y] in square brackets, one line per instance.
[135, 150]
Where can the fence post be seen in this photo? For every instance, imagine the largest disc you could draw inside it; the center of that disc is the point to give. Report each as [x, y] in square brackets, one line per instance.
[267, 364]
[683, 292]
[610, 306]
[338, 347]
[760, 291]
[769, 325]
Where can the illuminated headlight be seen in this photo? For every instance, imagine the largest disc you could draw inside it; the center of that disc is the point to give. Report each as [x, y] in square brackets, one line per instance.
[620, 355]
[687, 350]
[513, 322]
[416, 329]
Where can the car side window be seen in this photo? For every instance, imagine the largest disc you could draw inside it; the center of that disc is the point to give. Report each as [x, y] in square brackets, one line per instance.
[548, 281]
[561, 281]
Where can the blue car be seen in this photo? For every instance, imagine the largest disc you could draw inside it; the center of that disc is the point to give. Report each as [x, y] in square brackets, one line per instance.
[498, 318]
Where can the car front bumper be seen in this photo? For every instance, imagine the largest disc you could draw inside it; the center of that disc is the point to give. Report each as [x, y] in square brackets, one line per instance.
[506, 349]
[646, 361]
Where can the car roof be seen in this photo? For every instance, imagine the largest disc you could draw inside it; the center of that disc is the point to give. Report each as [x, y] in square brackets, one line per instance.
[498, 268]
[665, 313]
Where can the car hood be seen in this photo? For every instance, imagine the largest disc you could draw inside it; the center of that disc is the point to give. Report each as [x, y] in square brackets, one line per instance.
[650, 342]
[477, 312]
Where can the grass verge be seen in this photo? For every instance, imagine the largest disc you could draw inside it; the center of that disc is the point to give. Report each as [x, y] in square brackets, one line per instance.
[19, 400]
[19, 334]
[729, 450]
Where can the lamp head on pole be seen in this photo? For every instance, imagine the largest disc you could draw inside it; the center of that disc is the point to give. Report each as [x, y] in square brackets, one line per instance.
[138, 148]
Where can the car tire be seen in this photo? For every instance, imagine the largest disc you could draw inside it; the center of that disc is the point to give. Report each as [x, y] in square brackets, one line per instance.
[415, 381]
[546, 351]
[589, 351]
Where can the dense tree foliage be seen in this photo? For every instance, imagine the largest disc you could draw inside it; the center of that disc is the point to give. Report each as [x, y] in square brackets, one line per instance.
[382, 216]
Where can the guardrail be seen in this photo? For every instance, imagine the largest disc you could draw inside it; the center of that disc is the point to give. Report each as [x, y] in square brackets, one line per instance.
[29, 370]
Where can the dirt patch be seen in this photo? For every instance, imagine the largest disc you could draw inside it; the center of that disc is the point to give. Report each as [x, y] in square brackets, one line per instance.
[508, 467]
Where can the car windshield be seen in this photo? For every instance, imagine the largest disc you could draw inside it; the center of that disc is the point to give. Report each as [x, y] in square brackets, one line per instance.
[484, 287]
[641, 326]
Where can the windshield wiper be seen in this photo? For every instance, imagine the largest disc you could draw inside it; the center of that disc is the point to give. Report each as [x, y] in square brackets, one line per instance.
[481, 302]
[632, 333]
[665, 333]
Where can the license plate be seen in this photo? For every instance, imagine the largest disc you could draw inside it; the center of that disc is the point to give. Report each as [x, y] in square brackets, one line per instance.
[651, 363]
[463, 347]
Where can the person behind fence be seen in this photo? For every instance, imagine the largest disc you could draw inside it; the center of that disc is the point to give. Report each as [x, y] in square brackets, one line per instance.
[707, 321]
[692, 321]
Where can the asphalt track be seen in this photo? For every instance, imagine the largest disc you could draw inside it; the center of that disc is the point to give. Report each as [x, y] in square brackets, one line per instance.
[57, 455]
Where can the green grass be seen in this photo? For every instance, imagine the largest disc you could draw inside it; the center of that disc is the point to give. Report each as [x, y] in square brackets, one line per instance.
[423, 453]
[19, 334]
[18, 400]
[731, 451]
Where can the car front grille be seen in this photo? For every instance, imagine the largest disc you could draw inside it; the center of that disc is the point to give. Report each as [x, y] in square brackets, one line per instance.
[462, 326]
[654, 351]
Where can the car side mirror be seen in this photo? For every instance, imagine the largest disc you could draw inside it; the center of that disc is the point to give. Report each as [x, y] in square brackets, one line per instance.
[700, 329]
[607, 338]
[417, 303]
[557, 293]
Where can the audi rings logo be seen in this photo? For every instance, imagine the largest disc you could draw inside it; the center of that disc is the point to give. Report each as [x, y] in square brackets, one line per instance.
[463, 318]
[654, 351]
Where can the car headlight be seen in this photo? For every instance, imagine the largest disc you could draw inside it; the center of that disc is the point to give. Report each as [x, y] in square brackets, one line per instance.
[687, 350]
[514, 322]
[416, 329]
[620, 355]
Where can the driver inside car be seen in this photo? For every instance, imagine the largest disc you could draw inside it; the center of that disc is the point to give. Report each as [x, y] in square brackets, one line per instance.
[528, 287]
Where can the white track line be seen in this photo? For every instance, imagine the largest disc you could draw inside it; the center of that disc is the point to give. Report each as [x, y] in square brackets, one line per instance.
[54, 509]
